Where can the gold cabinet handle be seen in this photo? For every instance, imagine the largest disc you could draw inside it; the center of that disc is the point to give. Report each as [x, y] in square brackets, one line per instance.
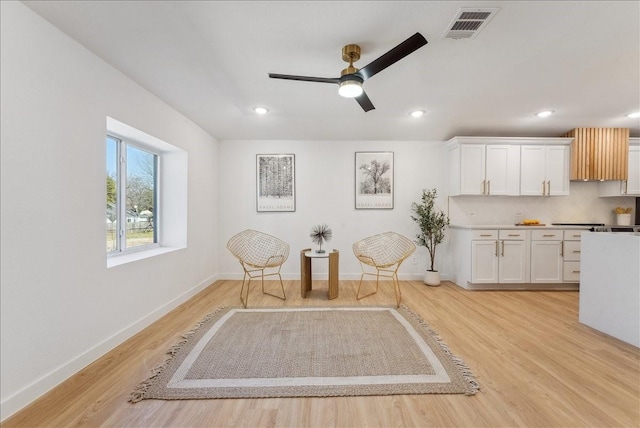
[544, 188]
[496, 253]
[503, 248]
[488, 187]
[548, 235]
[576, 271]
[485, 234]
[561, 248]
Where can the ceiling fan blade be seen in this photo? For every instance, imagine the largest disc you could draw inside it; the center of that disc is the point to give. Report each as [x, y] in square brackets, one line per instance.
[410, 45]
[365, 102]
[305, 78]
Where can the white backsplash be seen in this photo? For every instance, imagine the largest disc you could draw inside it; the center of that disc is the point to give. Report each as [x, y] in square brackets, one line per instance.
[581, 206]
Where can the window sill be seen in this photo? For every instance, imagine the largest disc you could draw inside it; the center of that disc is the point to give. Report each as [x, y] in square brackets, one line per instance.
[138, 255]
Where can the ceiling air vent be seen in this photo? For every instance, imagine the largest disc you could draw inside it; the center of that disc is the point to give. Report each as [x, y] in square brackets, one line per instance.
[468, 22]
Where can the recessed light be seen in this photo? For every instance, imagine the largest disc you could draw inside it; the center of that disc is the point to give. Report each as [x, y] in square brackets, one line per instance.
[417, 113]
[261, 110]
[545, 113]
[634, 115]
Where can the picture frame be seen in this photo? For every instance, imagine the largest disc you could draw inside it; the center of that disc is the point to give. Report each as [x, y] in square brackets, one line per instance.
[275, 183]
[374, 180]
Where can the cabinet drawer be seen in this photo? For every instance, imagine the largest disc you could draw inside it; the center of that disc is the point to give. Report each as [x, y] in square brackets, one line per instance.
[572, 251]
[484, 234]
[571, 272]
[512, 234]
[573, 235]
[546, 235]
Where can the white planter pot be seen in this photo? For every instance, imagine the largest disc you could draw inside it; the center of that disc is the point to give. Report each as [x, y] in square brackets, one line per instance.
[432, 278]
[623, 219]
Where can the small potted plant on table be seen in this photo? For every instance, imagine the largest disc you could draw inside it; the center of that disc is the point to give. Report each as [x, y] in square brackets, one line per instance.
[433, 224]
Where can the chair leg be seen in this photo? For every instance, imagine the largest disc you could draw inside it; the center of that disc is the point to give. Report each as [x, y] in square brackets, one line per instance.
[284, 296]
[359, 285]
[358, 296]
[245, 300]
[396, 286]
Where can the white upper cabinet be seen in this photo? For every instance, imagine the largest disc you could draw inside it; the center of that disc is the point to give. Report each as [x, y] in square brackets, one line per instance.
[544, 170]
[630, 186]
[484, 169]
[498, 166]
[503, 169]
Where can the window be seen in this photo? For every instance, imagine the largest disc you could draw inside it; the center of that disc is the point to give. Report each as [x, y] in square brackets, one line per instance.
[132, 195]
[134, 156]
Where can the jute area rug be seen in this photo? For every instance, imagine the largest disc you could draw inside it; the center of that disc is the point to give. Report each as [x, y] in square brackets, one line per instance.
[308, 352]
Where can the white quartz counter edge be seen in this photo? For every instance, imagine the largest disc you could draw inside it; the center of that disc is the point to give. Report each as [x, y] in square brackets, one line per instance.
[511, 226]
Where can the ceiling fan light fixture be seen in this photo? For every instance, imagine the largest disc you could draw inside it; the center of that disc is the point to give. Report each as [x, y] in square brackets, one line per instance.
[350, 88]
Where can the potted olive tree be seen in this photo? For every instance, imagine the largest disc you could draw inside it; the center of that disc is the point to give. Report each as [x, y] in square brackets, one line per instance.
[433, 224]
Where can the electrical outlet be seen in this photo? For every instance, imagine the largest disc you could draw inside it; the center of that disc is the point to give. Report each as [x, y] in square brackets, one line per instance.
[518, 214]
[472, 213]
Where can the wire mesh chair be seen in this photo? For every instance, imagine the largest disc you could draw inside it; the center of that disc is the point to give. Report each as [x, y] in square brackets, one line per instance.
[385, 253]
[258, 252]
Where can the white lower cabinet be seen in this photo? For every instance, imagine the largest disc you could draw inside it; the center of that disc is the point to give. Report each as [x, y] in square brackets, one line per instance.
[484, 261]
[513, 257]
[516, 258]
[571, 252]
[546, 261]
[499, 256]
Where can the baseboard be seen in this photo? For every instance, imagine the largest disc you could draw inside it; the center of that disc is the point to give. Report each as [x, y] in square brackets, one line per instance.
[44, 384]
[525, 287]
[323, 276]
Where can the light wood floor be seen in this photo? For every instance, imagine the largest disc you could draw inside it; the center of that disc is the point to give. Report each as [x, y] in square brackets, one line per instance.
[536, 365]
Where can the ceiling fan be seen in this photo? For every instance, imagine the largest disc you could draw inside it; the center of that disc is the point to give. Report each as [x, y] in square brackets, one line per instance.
[351, 78]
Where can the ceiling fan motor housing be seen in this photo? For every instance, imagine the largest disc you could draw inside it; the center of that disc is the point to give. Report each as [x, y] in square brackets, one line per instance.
[351, 53]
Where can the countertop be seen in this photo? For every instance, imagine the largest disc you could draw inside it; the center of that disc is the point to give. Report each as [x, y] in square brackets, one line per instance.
[512, 226]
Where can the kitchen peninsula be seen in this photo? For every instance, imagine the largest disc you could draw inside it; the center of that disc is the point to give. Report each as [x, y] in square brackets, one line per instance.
[610, 284]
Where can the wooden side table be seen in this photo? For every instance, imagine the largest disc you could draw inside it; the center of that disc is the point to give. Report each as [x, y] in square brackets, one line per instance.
[305, 271]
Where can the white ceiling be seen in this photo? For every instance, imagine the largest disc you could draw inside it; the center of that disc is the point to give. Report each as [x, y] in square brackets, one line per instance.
[210, 61]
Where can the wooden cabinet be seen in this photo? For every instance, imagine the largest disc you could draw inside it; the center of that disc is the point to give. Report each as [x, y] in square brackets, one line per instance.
[544, 170]
[630, 186]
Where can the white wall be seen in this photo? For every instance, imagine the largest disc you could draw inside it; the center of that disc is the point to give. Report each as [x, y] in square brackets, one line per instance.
[60, 306]
[325, 193]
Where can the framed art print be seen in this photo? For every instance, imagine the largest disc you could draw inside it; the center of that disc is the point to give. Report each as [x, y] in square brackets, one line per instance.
[275, 183]
[374, 180]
